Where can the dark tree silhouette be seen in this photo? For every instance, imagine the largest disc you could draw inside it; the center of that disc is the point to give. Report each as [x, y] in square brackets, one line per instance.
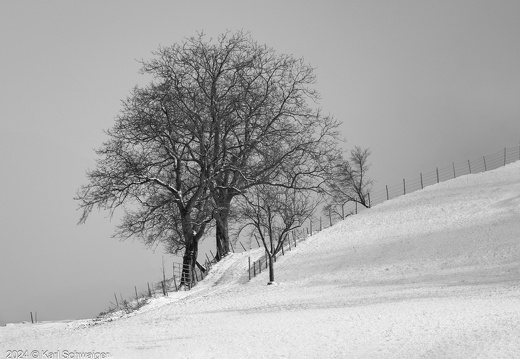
[154, 166]
[218, 118]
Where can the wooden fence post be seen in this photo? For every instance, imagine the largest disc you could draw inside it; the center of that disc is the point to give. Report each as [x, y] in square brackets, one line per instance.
[404, 187]
[136, 296]
[469, 166]
[387, 197]
[453, 163]
[505, 150]
[422, 187]
[485, 168]
[32, 320]
[437, 169]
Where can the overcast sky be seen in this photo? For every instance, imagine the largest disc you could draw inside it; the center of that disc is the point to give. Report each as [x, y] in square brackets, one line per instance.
[422, 83]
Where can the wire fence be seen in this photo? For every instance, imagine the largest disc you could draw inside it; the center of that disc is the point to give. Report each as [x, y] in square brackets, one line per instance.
[440, 174]
[180, 280]
[290, 241]
[314, 225]
[185, 275]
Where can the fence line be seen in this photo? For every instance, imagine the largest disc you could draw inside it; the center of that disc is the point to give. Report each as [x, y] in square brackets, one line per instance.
[162, 287]
[314, 225]
[291, 241]
[424, 179]
[454, 170]
[482, 164]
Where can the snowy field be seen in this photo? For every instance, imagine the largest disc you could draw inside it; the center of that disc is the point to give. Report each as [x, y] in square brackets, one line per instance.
[433, 274]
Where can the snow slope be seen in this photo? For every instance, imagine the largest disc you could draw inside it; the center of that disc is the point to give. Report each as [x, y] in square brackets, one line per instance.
[433, 274]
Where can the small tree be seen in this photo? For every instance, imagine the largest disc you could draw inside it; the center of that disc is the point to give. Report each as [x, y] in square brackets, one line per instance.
[349, 182]
[272, 213]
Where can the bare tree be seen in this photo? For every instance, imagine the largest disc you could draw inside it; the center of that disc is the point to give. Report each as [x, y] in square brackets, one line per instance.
[272, 212]
[218, 118]
[154, 167]
[257, 108]
[349, 182]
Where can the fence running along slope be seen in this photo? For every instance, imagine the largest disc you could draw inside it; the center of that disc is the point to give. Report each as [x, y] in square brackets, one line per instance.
[316, 224]
[442, 174]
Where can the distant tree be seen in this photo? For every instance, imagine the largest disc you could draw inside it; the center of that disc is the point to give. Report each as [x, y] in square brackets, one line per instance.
[271, 213]
[349, 182]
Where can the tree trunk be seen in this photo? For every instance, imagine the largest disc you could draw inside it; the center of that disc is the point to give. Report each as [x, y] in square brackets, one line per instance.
[271, 270]
[222, 237]
[222, 229]
[188, 263]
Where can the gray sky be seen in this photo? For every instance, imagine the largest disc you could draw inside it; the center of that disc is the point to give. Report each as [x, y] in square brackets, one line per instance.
[420, 83]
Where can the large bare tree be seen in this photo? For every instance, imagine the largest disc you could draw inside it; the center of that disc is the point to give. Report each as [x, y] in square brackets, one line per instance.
[218, 118]
[260, 112]
[154, 166]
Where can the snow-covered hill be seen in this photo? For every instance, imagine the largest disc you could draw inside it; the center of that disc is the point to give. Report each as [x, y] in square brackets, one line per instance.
[433, 274]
